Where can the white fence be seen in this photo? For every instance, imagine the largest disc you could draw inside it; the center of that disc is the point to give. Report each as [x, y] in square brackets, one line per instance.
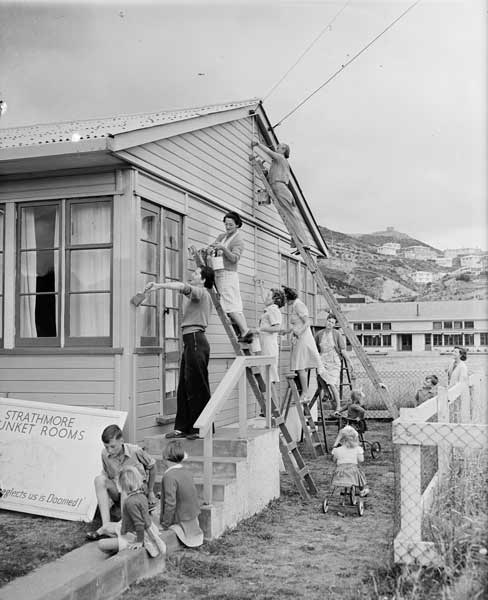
[454, 421]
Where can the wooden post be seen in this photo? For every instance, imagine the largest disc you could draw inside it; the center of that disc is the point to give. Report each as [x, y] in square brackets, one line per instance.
[207, 466]
[443, 448]
[410, 496]
[242, 405]
[268, 396]
[465, 412]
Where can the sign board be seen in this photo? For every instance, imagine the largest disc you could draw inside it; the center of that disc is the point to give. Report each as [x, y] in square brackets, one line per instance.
[49, 457]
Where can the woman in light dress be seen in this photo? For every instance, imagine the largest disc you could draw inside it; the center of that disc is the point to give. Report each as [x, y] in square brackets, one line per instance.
[304, 353]
[458, 370]
[230, 246]
[269, 327]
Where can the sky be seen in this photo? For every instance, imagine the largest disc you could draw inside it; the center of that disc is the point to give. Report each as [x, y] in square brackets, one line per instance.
[398, 138]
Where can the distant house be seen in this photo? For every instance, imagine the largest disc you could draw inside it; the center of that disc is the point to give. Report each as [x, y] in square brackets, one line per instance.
[390, 249]
[444, 261]
[422, 326]
[422, 277]
[471, 263]
[419, 253]
[454, 252]
[92, 210]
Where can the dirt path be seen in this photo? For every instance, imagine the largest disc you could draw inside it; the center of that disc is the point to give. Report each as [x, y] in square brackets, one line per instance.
[292, 550]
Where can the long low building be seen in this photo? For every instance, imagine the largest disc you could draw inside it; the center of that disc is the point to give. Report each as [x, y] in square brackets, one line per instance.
[421, 326]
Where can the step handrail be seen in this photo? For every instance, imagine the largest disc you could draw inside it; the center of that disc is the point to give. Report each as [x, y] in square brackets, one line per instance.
[236, 371]
[236, 375]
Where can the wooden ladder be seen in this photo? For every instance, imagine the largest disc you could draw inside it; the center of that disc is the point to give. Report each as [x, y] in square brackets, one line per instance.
[292, 459]
[326, 291]
[310, 433]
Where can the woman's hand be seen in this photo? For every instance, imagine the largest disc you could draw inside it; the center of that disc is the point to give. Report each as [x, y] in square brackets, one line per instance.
[218, 246]
[149, 287]
[254, 143]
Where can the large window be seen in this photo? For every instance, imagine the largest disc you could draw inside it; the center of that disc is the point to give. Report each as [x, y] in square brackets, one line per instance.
[64, 246]
[437, 339]
[483, 339]
[160, 259]
[2, 242]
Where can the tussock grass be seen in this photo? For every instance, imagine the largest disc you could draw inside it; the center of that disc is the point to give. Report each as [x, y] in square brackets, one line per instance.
[458, 526]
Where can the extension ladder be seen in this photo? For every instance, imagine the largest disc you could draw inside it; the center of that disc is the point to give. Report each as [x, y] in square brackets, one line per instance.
[326, 291]
[292, 459]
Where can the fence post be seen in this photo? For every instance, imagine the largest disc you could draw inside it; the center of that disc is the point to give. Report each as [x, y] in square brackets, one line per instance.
[478, 408]
[465, 413]
[410, 498]
[207, 466]
[443, 448]
[243, 405]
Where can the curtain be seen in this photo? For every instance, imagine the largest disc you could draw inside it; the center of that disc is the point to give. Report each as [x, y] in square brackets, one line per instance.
[91, 223]
[28, 275]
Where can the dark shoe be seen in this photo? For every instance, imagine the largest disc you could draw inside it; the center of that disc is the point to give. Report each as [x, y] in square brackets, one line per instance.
[175, 434]
[246, 339]
[192, 436]
[94, 536]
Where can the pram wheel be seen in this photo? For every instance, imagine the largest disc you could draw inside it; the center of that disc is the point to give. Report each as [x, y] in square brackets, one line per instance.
[360, 507]
[375, 449]
[325, 506]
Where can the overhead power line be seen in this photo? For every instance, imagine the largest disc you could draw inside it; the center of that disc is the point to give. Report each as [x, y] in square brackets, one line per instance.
[347, 63]
[307, 49]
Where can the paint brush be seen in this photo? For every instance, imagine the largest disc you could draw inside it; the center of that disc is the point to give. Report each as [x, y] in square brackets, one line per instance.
[138, 298]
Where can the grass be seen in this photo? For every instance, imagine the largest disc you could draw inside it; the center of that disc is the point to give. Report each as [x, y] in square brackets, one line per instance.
[291, 549]
[29, 541]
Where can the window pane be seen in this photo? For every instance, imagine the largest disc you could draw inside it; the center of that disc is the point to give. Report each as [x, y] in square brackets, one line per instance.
[171, 345]
[148, 257]
[447, 324]
[387, 340]
[39, 227]
[170, 382]
[149, 226]
[172, 264]
[90, 270]
[469, 324]
[171, 299]
[437, 325]
[387, 326]
[2, 221]
[367, 326]
[89, 315]
[171, 234]
[284, 271]
[38, 316]
[357, 326]
[91, 223]
[469, 339]
[148, 321]
[458, 324]
[376, 325]
[1, 273]
[171, 324]
[292, 274]
[1, 317]
[37, 271]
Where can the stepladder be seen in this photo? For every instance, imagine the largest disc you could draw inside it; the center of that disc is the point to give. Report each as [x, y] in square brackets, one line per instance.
[293, 223]
[292, 459]
[309, 430]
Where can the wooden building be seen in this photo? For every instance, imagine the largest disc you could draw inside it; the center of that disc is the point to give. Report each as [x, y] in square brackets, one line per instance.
[90, 211]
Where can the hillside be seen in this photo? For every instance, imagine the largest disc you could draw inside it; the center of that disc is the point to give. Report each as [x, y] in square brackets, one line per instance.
[355, 267]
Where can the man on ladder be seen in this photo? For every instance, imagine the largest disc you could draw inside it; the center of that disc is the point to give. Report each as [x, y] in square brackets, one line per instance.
[332, 349]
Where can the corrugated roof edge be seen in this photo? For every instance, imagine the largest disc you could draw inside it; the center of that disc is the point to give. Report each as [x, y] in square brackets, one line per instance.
[42, 133]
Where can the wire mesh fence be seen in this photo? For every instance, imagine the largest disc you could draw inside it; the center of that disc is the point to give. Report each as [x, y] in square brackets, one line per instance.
[440, 460]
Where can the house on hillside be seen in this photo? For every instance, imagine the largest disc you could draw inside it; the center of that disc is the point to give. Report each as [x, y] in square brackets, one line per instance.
[422, 326]
[92, 210]
[389, 249]
[420, 253]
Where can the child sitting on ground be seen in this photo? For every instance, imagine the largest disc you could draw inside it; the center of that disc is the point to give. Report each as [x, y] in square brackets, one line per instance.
[179, 500]
[348, 456]
[137, 528]
[116, 455]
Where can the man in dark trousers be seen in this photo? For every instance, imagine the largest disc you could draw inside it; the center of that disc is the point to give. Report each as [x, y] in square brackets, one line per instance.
[193, 386]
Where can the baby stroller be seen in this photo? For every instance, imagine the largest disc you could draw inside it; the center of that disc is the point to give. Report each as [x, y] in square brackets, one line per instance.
[361, 427]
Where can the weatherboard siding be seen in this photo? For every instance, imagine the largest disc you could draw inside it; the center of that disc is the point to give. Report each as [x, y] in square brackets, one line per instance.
[82, 380]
